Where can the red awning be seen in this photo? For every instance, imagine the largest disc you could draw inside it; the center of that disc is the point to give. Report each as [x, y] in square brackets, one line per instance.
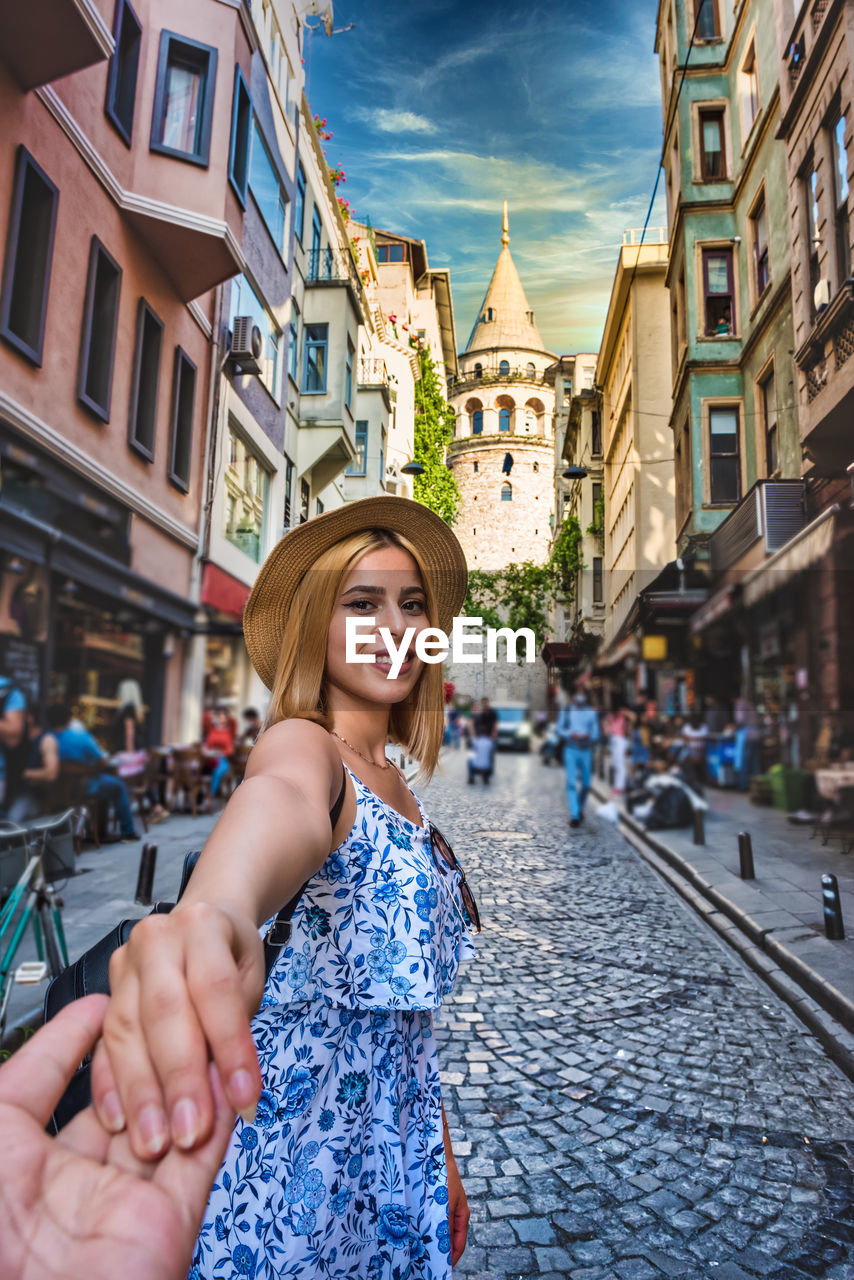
[558, 653]
[222, 592]
[713, 609]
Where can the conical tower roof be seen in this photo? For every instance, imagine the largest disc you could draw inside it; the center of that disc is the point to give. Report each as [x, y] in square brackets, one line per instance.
[505, 318]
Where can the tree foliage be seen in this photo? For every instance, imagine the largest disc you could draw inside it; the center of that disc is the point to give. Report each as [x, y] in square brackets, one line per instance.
[434, 430]
[566, 559]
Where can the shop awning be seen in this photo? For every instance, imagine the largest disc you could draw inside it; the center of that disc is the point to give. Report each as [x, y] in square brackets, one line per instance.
[808, 546]
[222, 592]
[714, 608]
[628, 648]
[556, 653]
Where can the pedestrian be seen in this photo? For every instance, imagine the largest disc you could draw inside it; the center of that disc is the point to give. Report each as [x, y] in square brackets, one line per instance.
[219, 741]
[251, 727]
[76, 744]
[578, 726]
[484, 732]
[82, 1207]
[746, 761]
[618, 727]
[40, 772]
[13, 741]
[341, 1162]
[129, 719]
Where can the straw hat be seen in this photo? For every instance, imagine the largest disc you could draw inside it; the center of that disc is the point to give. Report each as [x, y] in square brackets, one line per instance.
[270, 599]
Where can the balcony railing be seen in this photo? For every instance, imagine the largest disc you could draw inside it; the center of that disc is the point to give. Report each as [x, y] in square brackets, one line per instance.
[654, 235]
[333, 266]
[489, 373]
[373, 372]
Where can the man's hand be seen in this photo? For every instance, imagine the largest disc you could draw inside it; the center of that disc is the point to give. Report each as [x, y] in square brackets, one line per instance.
[81, 1206]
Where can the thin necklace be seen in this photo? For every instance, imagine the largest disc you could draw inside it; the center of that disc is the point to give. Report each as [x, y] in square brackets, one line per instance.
[359, 753]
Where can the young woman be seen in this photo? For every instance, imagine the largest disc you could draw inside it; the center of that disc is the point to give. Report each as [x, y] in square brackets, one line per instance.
[341, 1164]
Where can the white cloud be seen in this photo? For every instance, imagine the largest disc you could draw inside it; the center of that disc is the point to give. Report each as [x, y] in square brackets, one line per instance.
[390, 121]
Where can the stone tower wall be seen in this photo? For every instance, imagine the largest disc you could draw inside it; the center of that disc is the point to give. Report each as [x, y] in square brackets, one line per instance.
[495, 532]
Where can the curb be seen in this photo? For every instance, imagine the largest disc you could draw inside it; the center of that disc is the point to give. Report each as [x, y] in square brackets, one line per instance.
[827, 1013]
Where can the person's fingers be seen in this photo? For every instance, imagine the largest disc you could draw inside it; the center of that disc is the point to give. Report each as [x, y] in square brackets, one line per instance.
[35, 1077]
[104, 1090]
[125, 1041]
[221, 994]
[187, 1177]
[459, 1229]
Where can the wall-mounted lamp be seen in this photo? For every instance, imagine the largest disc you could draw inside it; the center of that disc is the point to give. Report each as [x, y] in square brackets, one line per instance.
[575, 473]
[412, 469]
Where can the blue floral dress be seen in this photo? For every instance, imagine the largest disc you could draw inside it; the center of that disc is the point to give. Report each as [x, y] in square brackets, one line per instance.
[343, 1174]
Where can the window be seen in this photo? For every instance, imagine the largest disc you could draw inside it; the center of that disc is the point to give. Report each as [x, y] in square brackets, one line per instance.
[768, 399]
[359, 462]
[267, 190]
[382, 457]
[29, 252]
[183, 99]
[392, 253]
[706, 20]
[531, 370]
[712, 153]
[684, 487]
[181, 434]
[759, 234]
[247, 484]
[316, 235]
[98, 340]
[507, 492]
[748, 86]
[536, 466]
[304, 499]
[245, 302]
[314, 372]
[477, 422]
[318, 507]
[299, 211]
[811, 202]
[504, 368]
[241, 119]
[348, 374]
[718, 292]
[124, 66]
[289, 490]
[503, 419]
[478, 371]
[596, 433]
[293, 342]
[587, 379]
[476, 466]
[145, 380]
[840, 204]
[598, 593]
[724, 454]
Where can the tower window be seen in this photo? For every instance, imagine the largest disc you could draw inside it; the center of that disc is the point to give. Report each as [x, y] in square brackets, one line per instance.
[476, 466]
[507, 492]
[477, 422]
[503, 419]
[504, 368]
[536, 466]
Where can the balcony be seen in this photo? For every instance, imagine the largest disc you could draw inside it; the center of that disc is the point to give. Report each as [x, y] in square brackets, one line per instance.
[490, 374]
[373, 372]
[43, 42]
[773, 512]
[334, 267]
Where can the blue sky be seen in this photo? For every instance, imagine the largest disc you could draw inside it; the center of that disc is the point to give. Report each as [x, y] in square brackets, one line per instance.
[441, 110]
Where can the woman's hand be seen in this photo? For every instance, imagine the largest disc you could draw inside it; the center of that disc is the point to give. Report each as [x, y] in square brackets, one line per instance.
[183, 988]
[80, 1206]
[458, 1212]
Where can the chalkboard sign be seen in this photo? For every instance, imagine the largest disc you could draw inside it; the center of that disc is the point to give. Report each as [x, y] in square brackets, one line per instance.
[21, 662]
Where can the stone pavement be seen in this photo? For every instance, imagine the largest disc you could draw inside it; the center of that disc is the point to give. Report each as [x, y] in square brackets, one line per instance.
[627, 1099]
[101, 894]
[779, 913]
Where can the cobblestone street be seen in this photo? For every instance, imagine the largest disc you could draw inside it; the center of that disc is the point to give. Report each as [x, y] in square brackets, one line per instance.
[626, 1098]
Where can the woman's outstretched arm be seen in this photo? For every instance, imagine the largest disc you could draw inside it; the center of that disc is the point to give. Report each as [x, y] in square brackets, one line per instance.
[185, 984]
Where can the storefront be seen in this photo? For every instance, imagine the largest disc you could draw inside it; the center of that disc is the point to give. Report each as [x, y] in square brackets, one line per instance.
[75, 620]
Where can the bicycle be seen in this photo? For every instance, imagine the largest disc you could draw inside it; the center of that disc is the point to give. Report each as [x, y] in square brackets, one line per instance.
[31, 900]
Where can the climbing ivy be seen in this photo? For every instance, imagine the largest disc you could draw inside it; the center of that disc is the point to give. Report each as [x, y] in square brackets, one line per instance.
[437, 488]
[566, 559]
[482, 597]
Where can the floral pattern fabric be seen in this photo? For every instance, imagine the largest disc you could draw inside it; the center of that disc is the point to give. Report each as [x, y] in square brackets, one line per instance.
[342, 1175]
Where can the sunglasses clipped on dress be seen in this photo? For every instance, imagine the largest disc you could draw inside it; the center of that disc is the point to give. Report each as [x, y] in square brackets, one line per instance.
[444, 857]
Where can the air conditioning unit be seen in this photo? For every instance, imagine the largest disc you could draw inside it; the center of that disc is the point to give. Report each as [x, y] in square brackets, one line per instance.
[247, 345]
[821, 294]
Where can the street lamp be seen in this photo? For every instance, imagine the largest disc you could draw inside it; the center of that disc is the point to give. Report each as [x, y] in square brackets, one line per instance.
[575, 473]
[412, 469]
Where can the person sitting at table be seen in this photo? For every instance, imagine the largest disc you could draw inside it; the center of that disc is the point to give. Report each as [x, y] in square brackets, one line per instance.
[76, 745]
[251, 727]
[220, 739]
[40, 770]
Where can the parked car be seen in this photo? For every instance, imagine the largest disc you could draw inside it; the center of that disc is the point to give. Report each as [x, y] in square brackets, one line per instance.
[514, 726]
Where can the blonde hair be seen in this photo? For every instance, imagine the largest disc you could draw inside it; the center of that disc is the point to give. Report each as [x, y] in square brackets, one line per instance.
[299, 687]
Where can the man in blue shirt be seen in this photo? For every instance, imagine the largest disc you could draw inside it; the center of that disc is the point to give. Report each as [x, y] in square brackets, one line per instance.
[77, 744]
[13, 741]
[578, 727]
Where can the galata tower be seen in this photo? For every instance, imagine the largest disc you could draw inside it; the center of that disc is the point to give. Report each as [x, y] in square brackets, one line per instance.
[503, 451]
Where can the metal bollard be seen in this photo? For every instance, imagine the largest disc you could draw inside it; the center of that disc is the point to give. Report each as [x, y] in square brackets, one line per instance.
[745, 856]
[699, 826]
[145, 879]
[834, 929]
